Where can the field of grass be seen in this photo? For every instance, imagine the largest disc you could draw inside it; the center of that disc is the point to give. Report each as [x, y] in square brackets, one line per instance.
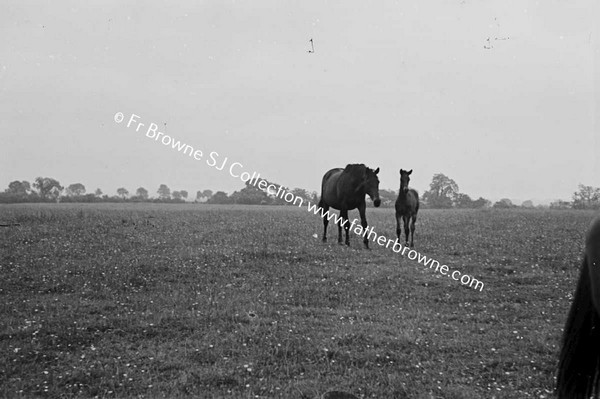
[140, 300]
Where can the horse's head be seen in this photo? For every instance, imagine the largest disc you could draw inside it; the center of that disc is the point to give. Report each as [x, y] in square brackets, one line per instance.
[371, 184]
[404, 179]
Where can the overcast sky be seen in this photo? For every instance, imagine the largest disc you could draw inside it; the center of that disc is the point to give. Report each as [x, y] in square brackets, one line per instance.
[498, 95]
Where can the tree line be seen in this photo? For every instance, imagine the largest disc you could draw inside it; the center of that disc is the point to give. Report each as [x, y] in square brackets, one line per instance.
[443, 193]
[47, 189]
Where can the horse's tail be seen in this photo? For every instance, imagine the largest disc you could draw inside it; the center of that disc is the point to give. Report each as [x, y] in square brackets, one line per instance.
[579, 360]
[321, 202]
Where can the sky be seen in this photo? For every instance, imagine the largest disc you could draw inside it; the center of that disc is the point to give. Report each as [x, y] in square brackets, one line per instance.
[500, 96]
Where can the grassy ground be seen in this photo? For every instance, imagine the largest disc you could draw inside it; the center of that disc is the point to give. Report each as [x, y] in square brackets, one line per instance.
[146, 300]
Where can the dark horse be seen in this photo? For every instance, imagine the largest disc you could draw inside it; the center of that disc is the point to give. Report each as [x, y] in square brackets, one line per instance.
[579, 360]
[407, 207]
[345, 189]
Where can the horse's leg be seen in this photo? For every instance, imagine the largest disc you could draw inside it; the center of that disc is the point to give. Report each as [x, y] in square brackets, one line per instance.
[339, 224]
[399, 226]
[363, 222]
[412, 230]
[344, 221]
[406, 227]
[325, 208]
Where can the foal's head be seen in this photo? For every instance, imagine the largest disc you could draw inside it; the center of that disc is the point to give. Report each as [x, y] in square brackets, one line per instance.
[404, 179]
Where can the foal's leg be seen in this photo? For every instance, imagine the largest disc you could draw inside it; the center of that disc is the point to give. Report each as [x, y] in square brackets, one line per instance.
[412, 230]
[363, 222]
[399, 226]
[406, 228]
[325, 220]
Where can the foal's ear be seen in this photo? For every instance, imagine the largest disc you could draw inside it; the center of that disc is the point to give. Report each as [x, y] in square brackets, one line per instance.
[410, 171]
[376, 171]
[401, 170]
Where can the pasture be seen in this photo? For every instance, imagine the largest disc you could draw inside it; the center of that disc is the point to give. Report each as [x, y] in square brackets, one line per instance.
[142, 300]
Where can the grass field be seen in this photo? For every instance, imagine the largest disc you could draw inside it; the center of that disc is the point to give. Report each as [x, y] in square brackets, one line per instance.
[141, 300]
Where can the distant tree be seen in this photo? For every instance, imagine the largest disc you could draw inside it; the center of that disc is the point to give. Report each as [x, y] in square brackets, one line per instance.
[19, 188]
[463, 201]
[250, 195]
[203, 195]
[122, 192]
[527, 204]
[98, 193]
[504, 203]
[18, 191]
[388, 197]
[75, 190]
[560, 204]
[26, 186]
[302, 193]
[482, 203]
[279, 200]
[314, 197]
[219, 197]
[442, 192]
[142, 193]
[237, 198]
[274, 198]
[184, 194]
[176, 195]
[89, 197]
[48, 188]
[55, 193]
[164, 192]
[587, 197]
